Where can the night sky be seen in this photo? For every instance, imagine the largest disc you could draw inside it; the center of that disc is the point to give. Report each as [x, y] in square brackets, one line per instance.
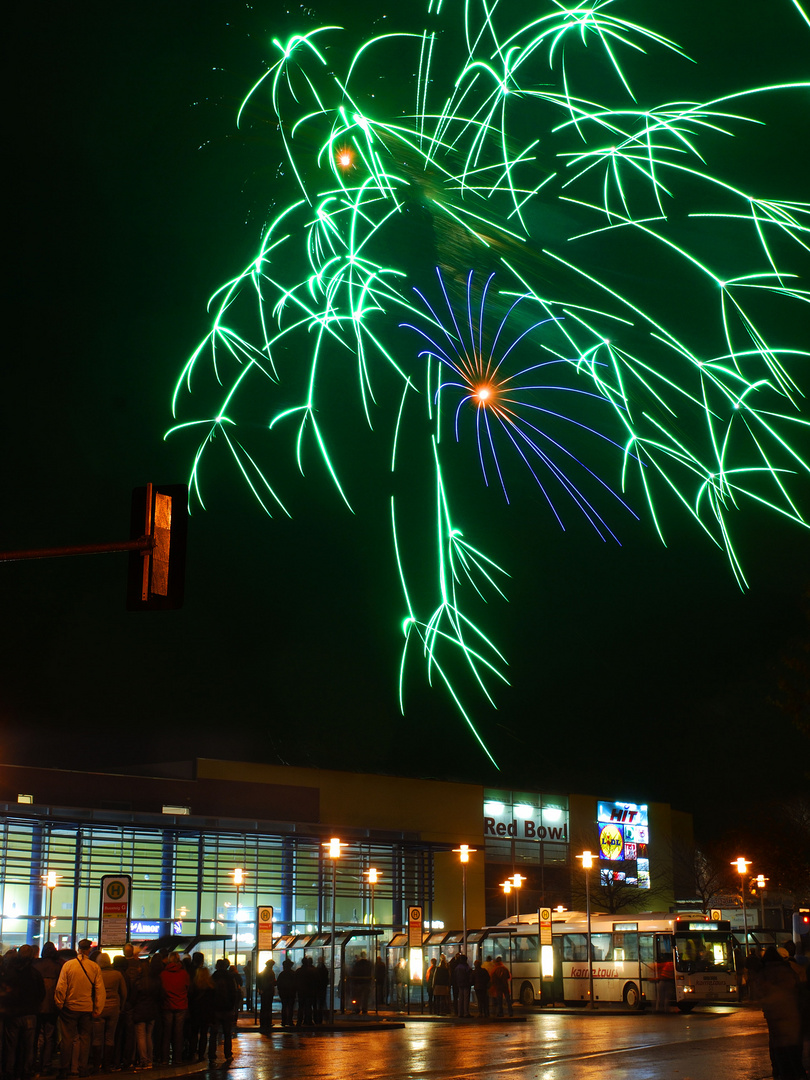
[637, 672]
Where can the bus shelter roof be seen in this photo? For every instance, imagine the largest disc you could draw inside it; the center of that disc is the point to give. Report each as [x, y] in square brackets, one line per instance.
[300, 941]
[181, 943]
[437, 937]
[475, 937]
[319, 941]
[400, 941]
[455, 938]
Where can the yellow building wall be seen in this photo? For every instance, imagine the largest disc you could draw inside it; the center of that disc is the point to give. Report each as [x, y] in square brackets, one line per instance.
[439, 811]
[442, 812]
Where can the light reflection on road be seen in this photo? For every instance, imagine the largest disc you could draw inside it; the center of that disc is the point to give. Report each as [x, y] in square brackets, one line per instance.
[703, 1046]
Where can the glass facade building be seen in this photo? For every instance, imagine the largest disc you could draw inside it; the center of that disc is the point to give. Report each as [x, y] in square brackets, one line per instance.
[183, 880]
[179, 836]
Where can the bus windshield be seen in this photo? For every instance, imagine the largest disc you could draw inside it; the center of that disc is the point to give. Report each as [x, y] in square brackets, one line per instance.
[703, 951]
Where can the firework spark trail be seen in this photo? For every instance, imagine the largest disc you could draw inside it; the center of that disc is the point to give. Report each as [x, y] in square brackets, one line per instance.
[709, 416]
[501, 397]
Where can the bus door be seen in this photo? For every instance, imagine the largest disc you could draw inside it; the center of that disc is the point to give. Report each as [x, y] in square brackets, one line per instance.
[648, 972]
[552, 991]
[526, 976]
[627, 962]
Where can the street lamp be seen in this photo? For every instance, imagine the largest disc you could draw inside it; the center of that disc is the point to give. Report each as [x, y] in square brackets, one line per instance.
[517, 881]
[587, 863]
[761, 883]
[742, 865]
[50, 885]
[372, 876]
[238, 880]
[333, 847]
[464, 851]
[507, 888]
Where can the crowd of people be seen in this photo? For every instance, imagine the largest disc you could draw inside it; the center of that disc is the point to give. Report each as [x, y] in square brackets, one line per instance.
[303, 991]
[73, 1013]
[305, 986]
[452, 985]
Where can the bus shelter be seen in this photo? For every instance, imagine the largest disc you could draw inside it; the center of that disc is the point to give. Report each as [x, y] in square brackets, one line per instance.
[349, 945]
[401, 987]
[759, 938]
[484, 943]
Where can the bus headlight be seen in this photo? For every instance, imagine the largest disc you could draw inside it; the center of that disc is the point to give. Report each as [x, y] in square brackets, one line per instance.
[689, 989]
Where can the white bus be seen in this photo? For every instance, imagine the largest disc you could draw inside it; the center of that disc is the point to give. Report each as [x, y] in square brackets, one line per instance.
[629, 955]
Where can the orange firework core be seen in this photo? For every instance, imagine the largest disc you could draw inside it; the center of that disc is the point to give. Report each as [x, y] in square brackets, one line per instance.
[484, 394]
[345, 157]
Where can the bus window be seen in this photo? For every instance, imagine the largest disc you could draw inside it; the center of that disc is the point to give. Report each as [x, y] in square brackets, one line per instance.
[575, 947]
[696, 951]
[524, 948]
[645, 948]
[601, 946]
[625, 945]
[663, 949]
[497, 945]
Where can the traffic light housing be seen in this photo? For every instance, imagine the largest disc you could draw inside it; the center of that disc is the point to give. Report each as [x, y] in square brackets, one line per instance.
[156, 578]
[801, 929]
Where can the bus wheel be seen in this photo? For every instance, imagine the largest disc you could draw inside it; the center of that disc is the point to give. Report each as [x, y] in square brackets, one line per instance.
[686, 1006]
[632, 997]
[527, 994]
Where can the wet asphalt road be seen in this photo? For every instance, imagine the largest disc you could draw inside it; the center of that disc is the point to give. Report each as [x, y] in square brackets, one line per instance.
[713, 1044]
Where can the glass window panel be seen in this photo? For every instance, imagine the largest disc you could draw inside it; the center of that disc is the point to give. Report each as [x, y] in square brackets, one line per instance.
[575, 947]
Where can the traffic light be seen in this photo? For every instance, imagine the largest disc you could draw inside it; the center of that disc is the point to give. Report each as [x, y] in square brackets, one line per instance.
[801, 929]
[156, 577]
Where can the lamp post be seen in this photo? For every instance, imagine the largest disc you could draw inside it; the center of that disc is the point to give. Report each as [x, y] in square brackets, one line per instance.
[50, 884]
[333, 847]
[238, 880]
[742, 865]
[464, 851]
[372, 876]
[587, 863]
[517, 881]
[761, 883]
[507, 888]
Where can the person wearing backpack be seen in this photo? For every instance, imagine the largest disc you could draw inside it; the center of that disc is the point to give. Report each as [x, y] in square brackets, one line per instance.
[79, 998]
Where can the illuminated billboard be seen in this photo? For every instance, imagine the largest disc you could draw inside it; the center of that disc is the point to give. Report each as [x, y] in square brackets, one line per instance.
[623, 836]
